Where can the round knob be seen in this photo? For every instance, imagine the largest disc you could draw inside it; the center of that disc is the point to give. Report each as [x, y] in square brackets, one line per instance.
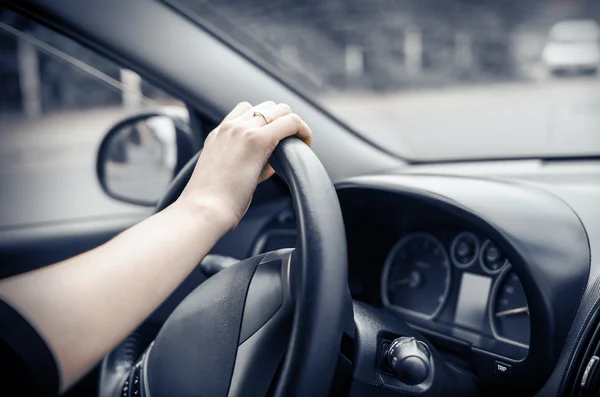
[409, 360]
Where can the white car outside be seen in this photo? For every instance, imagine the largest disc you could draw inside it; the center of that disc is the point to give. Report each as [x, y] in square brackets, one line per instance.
[573, 47]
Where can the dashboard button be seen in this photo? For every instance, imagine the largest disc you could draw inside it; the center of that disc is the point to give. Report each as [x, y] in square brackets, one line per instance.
[409, 360]
[502, 368]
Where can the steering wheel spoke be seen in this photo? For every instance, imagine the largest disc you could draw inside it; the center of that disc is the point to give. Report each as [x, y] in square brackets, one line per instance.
[266, 327]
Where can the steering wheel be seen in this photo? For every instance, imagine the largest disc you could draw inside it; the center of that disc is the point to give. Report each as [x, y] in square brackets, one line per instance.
[269, 325]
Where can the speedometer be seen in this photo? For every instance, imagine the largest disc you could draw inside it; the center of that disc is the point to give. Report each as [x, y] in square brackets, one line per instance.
[416, 276]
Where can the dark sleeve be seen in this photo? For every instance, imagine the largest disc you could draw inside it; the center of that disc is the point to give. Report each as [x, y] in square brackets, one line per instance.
[27, 367]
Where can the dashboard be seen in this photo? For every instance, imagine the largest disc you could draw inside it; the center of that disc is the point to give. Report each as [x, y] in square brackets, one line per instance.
[491, 272]
[441, 273]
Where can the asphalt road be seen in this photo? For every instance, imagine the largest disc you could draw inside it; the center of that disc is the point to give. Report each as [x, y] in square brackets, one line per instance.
[47, 166]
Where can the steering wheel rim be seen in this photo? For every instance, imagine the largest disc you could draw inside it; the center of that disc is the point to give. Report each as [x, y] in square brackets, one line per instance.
[322, 303]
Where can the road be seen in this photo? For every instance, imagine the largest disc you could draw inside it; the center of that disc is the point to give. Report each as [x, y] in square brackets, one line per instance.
[47, 166]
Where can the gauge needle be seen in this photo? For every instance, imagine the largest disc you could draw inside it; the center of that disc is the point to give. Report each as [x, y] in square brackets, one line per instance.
[524, 309]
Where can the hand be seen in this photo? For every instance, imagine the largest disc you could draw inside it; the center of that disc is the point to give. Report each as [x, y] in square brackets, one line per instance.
[234, 159]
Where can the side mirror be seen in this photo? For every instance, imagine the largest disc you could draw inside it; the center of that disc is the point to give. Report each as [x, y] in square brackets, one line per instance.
[139, 157]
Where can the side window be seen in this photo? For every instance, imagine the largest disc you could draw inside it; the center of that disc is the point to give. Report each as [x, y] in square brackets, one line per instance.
[57, 101]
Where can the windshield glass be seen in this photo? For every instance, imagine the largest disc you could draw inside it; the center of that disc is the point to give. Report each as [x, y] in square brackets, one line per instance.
[433, 79]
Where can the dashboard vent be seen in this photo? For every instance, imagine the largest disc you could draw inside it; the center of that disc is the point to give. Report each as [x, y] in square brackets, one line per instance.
[586, 368]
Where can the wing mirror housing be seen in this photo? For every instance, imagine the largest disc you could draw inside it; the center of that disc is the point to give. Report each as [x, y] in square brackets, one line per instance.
[141, 154]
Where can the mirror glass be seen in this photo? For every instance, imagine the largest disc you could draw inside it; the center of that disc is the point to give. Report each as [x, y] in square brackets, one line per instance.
[139, 159]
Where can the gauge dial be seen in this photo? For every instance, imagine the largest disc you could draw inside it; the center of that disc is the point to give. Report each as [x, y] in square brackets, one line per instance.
[464, 250]
[492, 260]
[416, 276]
[509, 312]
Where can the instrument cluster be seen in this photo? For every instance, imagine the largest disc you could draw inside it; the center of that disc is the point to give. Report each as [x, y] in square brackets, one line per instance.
[462, 279]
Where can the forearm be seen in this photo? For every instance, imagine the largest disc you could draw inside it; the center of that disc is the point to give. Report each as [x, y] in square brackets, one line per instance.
[85, 305]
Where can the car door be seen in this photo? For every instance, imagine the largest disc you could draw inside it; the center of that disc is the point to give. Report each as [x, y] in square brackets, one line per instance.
[57, 101]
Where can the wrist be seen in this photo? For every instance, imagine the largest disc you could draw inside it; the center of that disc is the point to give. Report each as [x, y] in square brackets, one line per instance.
[208, 209]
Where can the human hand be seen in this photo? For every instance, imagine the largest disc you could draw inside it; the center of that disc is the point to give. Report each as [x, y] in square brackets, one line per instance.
[234, 159]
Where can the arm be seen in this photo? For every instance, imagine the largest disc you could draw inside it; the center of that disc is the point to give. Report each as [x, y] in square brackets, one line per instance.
[86, 305]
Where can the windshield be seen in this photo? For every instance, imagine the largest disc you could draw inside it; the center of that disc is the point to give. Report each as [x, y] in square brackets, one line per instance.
[432, 79]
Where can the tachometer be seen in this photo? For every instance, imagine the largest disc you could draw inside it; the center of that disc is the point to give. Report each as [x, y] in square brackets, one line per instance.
[509, 312]
[416, 276]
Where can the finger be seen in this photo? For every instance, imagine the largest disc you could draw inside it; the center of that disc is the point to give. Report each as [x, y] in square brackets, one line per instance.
[264, 105]
[238, 110]
[248, 114]
[271, 114]
[266, 174]
[243, 110]
[288, 125]
[277, 111]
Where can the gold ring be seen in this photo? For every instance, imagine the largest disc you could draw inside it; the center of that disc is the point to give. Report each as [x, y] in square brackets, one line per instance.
[265, 118]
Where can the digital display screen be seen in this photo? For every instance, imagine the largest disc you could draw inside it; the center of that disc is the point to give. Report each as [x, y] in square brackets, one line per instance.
[472, 300]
